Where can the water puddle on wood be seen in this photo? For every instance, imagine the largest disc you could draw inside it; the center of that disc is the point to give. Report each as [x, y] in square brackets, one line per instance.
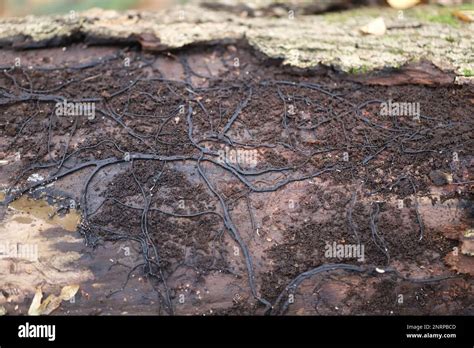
[40, 209]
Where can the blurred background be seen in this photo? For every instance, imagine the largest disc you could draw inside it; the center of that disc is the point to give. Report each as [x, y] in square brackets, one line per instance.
[43, 7]
[40, 7]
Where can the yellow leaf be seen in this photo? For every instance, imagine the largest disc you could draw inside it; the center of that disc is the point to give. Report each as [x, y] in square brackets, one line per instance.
[466, 16]
[52, 302]
[402, 4]
[68, 292]
[36, 303]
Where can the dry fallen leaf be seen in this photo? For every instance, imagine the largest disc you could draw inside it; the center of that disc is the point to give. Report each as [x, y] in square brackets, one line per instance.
[402, 4]
[68, 292]
[3, 310]
[52, 302]
[376, 27]
[466, 16]
[36, 303]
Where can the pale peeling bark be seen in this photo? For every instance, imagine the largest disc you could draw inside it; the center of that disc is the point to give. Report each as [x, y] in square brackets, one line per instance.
[306, 41]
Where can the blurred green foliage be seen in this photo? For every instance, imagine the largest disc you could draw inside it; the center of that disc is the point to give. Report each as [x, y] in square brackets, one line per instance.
[41, 7]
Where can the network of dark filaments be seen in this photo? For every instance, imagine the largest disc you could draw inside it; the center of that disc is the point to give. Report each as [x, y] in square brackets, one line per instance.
[168, 121]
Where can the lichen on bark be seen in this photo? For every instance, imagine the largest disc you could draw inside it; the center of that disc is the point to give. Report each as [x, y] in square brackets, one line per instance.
[303, 41]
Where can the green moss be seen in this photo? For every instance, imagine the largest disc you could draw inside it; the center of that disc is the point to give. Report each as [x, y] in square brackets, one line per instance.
[394, 50]
[468, 72]
[467, 7]
[363, 69]
[443, 15]
[450, 39]
[447, 18]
